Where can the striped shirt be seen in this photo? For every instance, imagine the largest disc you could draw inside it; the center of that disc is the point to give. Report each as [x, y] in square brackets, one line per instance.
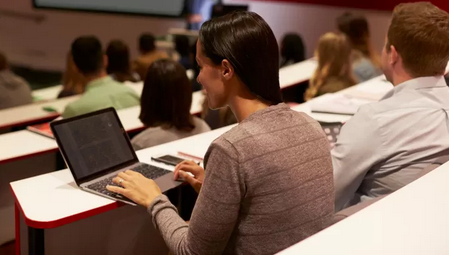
[268, 185]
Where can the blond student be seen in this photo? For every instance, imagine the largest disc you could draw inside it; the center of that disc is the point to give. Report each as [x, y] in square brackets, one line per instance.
[334, 71]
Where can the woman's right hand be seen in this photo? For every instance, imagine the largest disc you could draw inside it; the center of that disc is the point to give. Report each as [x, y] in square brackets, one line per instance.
[182, 169]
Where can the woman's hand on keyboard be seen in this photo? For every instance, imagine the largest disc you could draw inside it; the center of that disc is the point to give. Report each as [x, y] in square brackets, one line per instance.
[182, 169]
[135, 187]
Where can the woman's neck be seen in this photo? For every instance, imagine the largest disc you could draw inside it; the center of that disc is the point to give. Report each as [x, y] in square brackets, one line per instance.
[244, 107]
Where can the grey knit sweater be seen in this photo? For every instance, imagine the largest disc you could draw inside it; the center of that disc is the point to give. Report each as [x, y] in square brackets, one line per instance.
[268, 185]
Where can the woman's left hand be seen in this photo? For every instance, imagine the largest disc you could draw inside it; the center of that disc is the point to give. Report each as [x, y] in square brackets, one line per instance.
[135, 187]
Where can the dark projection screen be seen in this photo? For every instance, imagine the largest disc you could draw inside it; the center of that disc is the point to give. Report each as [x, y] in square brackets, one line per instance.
[167, 8]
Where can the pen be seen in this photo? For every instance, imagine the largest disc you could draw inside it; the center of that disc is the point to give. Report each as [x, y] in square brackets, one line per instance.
[189, 156]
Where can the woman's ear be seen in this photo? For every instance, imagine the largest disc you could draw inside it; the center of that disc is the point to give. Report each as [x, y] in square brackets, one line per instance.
[227, 69]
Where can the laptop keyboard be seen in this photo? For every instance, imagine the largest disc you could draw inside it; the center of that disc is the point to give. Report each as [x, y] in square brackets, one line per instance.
[149, 171]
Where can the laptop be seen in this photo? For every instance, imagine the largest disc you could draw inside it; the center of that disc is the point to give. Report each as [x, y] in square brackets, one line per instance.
[96, 148]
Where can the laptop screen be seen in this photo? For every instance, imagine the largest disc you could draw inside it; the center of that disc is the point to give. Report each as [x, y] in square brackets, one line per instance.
[93, 144]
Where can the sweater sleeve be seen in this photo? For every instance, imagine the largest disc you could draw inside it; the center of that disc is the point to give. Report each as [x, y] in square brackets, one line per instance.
[216, 210]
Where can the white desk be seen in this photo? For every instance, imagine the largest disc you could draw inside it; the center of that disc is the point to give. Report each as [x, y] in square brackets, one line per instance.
[183, 32]
[23, 144]
[349, 100]
[33, 113]
[412, 220]
[164, 45]
[63, 204]
[297, 73]
[46, 94]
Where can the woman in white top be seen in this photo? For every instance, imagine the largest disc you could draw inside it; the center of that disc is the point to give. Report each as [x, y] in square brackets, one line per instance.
[165, 106]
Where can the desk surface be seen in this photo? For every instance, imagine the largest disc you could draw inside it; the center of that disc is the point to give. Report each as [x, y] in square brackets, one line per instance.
[33, 113]
[297, 73]
[65, 202]
[412, 220]
[131, 122]
[22, 144]
[46, 94]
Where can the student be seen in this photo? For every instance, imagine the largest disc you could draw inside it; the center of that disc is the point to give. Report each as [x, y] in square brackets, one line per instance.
[267, 183]
[292, 50]
[73, 81]
[101, 90]
[148, 54]
[14, 91]
[119, 66]
[183, 48]
[166, 106]
[365, 60]
[386, 145]
[333, 72]
[198, 11]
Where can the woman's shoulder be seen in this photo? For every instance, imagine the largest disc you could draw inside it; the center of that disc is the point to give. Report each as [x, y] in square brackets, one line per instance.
[152, 136]
[200, 125]
[364, 70]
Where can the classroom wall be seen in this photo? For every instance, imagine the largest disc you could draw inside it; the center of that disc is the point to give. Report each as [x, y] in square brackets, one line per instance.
[312, 21]
[373, 5]
[44, 44]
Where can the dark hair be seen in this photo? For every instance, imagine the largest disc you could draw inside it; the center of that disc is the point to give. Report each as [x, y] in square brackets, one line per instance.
[3, 62]
[87, 54]
[147, 42]
[196, 86]
[167, 96]
[182, 45]
[420, 34]
[356, 28]
[119, 63]
[248, 43]
[293, 48]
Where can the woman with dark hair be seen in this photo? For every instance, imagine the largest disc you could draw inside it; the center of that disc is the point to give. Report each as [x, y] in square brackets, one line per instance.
[292, 50]
[119, 64]
[184, 50]
[365, 60]
[166, 106]
[268, 182]
[148, 54]
[73, 81]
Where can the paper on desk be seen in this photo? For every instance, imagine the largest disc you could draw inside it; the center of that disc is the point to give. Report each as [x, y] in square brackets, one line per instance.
[337, 104]
[373, 89]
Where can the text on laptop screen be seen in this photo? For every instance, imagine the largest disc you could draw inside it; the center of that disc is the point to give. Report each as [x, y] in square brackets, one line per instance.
[93, 144]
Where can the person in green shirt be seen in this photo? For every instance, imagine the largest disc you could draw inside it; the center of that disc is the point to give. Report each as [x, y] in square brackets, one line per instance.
[101, 90]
